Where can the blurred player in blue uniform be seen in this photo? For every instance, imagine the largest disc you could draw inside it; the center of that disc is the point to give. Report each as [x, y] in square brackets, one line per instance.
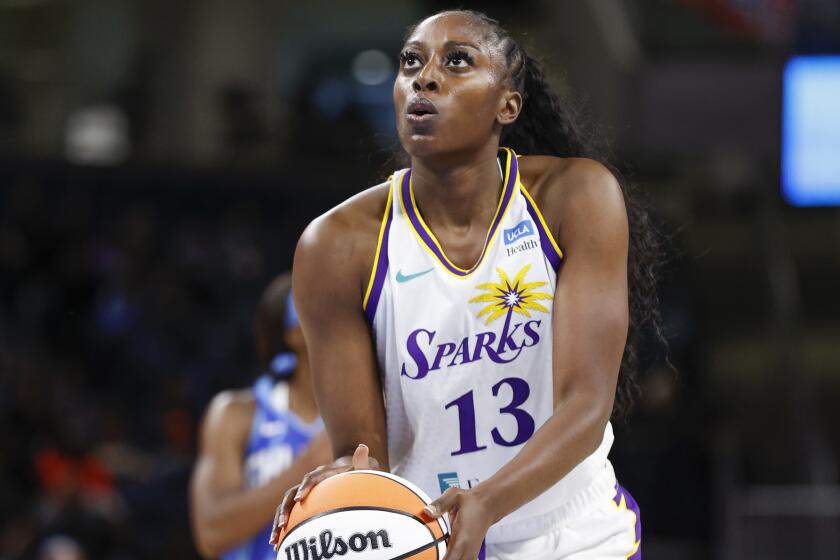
[258, 442]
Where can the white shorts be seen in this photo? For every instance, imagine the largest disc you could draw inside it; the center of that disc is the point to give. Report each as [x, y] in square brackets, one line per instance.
[608, 530]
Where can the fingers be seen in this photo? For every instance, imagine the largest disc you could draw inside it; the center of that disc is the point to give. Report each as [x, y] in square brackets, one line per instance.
[446, 503]
[315, 477]
[361, 458]
[275, 526]
[282, 515]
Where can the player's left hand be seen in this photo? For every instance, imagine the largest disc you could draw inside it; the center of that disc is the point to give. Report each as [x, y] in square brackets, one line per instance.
[470, 518]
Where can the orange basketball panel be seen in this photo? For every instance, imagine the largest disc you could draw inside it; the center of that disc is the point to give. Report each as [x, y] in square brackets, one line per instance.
[363, 489]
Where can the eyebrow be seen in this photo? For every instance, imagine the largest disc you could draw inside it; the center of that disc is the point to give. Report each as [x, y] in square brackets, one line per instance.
[447, 44]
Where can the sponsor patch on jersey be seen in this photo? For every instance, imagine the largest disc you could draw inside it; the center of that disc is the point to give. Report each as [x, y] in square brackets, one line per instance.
[526, 245]
[517, 232]
[448, 480]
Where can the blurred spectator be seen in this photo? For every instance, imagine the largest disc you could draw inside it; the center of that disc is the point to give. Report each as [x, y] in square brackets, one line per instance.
[119, 317]
[61, 547]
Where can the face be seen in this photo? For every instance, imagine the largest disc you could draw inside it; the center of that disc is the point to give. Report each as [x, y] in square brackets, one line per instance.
[451, 93]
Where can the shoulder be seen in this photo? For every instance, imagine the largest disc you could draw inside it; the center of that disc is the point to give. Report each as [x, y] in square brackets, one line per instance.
[552, 179]
[229, 416]
[354, 216]
[573, 190]
[343, 239]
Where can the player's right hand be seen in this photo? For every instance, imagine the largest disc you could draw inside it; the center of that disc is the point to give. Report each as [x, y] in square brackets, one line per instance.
[359, 461]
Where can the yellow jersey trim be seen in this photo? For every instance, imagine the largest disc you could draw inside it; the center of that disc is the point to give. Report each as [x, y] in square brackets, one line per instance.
[488, 241]
[545, 227]
[378, 247]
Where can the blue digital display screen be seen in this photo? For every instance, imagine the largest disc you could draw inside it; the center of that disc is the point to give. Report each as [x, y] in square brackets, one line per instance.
[811, 131]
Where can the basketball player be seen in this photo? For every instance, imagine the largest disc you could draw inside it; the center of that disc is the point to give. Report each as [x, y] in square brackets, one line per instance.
[256, 443]
[495, 301]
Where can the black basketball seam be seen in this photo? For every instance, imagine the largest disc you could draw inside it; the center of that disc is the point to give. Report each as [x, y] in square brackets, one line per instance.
[443, 530]
[426, 546]
[364, 508]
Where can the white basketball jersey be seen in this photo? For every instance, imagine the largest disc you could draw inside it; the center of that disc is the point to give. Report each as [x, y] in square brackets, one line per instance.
[465, 355]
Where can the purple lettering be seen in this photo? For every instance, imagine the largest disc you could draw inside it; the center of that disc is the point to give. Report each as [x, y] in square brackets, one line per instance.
[463, 353]
[483, 340]
[443, 351]
[502, 350]
[413, 348]
[531, 332]
[506, 341]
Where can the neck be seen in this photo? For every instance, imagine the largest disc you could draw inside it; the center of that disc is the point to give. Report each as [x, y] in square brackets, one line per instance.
[457, 192]
[301, 397]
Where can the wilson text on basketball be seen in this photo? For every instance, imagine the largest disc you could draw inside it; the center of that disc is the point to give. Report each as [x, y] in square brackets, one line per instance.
[327, 546]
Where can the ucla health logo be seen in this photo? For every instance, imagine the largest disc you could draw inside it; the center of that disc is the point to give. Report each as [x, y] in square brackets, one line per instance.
[517, 232]
[510, 298]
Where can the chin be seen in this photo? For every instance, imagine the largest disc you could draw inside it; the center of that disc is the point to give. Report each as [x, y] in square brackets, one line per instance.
[423, 139]
[421, 145]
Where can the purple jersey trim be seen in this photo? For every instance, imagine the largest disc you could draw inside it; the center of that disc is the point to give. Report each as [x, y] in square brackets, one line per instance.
[548, 249]
[634, 507]
[425, 235]
[381, 269]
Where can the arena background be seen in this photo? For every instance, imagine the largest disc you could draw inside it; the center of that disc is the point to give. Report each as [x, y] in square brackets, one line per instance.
[158, 160]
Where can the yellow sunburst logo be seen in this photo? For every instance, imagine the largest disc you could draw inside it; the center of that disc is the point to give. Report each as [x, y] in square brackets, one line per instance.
[510, 296]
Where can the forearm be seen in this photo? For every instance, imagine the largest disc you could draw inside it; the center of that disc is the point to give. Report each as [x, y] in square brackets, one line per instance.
[227, 520]
[570, 435]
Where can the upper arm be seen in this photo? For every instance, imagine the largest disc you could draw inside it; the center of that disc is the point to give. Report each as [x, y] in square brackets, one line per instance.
[330, 266]
[591, 311]
[218, 468]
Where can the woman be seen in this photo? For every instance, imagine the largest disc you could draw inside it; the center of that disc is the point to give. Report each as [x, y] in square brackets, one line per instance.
[443, 289]
[256, 443]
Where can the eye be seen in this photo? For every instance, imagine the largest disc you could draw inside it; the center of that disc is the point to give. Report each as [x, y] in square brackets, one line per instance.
[409, 60]
[459, 59]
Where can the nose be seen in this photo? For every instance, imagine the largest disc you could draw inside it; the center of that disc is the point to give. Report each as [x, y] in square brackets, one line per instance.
[424, 81]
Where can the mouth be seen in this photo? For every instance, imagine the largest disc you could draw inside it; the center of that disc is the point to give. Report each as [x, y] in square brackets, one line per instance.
[421, 110]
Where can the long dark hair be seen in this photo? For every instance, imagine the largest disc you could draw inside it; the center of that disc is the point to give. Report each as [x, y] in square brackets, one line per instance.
[547, 125]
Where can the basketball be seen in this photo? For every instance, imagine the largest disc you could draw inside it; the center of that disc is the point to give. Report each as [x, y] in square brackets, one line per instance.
[364, 514]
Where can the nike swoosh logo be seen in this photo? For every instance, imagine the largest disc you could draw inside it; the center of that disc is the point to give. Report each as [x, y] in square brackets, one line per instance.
[406, 277]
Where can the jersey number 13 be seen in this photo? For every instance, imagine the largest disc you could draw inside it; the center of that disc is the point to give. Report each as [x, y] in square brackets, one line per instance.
[466, 417]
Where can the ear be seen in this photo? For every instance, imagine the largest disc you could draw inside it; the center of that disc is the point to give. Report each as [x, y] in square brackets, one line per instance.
[509, 107]
[293, 337]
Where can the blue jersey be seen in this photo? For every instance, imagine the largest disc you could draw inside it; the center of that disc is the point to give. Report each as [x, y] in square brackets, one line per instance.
[277, 437]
